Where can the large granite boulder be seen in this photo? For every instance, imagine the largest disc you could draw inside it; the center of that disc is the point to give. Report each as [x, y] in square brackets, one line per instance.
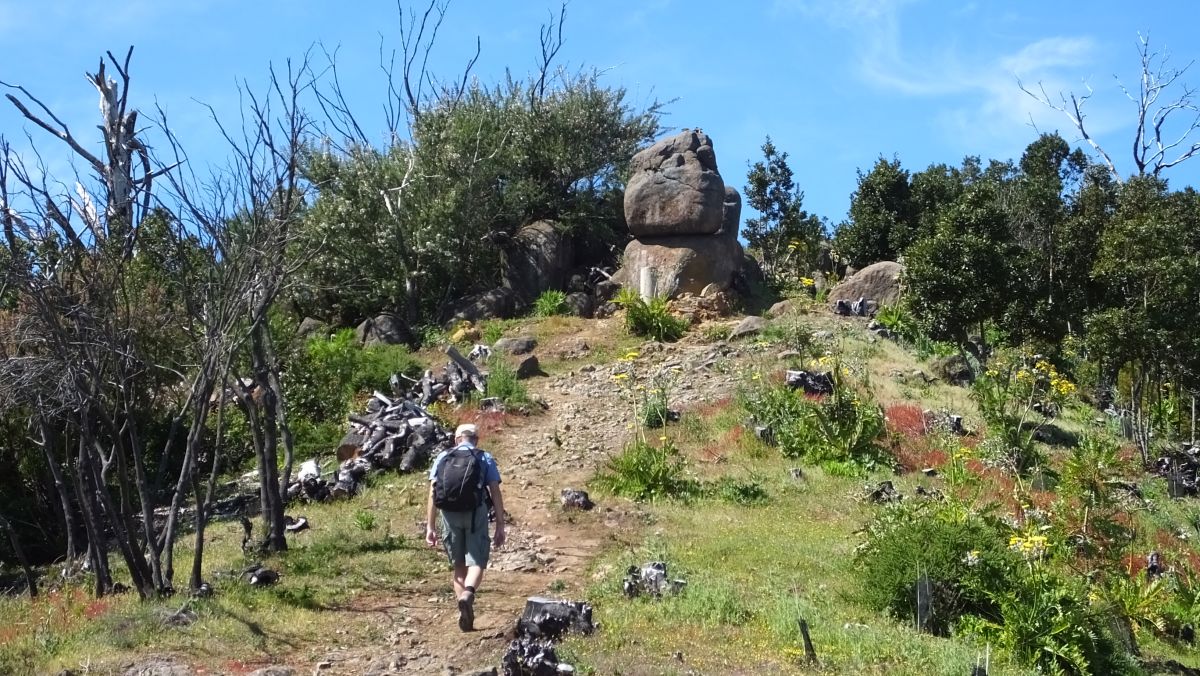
[384, 329]
[492, 304]
[683, 264]
[539, 258]
[879, 282]
[731, 213]
[675, 189]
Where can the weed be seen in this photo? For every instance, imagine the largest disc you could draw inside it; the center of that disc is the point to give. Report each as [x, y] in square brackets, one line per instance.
[642, 471]
[557, 586]
[651, 318]
[748, 492]
[364, 520]
[503, 384]
[552, 302]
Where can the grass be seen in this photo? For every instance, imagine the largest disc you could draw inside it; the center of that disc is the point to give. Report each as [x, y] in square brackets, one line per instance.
[335, 565]
[752, 573]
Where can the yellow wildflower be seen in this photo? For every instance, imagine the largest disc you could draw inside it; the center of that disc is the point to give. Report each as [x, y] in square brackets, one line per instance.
[621, 376]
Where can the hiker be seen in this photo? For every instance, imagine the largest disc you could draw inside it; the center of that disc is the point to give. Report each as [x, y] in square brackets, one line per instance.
[460, 481]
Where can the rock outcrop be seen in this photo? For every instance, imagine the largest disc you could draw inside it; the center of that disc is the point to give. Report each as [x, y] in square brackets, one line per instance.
[675, 189]
[684, 264]
[683, 217]
[539, 258]
[879, 282]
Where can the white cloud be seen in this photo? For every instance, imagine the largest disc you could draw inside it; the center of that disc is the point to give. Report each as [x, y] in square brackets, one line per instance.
[978, 96]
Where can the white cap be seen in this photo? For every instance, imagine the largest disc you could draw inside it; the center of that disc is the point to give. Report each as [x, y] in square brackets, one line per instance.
[466, 430]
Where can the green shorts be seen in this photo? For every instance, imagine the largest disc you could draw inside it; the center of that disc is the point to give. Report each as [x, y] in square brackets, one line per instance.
[465, 537]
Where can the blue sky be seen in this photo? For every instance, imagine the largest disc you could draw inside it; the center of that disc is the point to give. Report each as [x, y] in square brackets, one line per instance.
[835, 83]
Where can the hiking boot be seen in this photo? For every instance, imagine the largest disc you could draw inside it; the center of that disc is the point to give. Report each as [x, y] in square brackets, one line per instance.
[466, 612]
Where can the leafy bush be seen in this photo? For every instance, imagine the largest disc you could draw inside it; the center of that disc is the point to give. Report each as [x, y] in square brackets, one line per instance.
[960, 553]
[651, 318]
[1017, 395]
[842, 429]
[1045, 622]
[642, 471]
[550, 303]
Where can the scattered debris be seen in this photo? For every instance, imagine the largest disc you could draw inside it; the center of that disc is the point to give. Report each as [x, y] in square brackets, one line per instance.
[261, 576]
[1154, 566]
[1180, 468]
[183, 617]
[204, 591]
[796, 473]
[545, 621]
[531, 657]
[765, 434]
[928, 493]
[811, 383]
[576, 499]
[650, 579]
[546, 618]
[945, 422]
[295, 524]
[883, 492]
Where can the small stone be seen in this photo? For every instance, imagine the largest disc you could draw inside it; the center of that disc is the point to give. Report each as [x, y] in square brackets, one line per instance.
[516, 346]
[748, 326]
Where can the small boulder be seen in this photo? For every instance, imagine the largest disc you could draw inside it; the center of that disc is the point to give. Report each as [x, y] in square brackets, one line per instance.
[528, 367]
[274, 671]
[384, 329]
[748, 326]
[579, 304]
[953, 369]
[311, 328]
[606, 291]
[496, 303]
[781, 308]
[518, 345]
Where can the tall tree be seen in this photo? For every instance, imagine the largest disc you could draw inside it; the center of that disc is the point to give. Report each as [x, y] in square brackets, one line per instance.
[784, 235]
[881, 215]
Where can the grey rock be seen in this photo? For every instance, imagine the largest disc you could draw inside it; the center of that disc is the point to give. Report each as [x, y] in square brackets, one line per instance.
[496, 303]
[675, 188]
[538, 258]
[580, 304]
[158, 667]
[384, 329]
[606, 310]
[274, 670]
[517, 345]
[682, 264]
[748, 326]
[606, 291]
[953, 369]
[731, 213]
[781, 308]
[311, 328]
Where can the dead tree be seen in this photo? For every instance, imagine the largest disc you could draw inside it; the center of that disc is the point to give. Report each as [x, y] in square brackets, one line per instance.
[248, 212]
[1162, 138]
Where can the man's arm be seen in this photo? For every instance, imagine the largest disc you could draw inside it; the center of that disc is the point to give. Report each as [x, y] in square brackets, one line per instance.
[498, 502]
[431, 534]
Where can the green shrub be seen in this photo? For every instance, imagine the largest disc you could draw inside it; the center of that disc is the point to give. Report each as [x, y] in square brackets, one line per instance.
[377, 363]
[963, 556]
[503, 384]
[651, 318]
[1046, 622]
[843, 428]
[550, 303]
[642, 471]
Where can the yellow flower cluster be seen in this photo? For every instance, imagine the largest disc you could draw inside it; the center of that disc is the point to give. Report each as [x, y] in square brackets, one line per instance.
[962, 453]
[1032, 546]
[1062, 386]
[807, 281]
[630, 355]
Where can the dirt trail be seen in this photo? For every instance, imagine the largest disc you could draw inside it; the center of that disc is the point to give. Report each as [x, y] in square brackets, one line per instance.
[538, 456]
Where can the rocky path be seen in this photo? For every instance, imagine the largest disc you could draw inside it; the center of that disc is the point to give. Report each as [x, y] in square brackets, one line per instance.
[548, 550]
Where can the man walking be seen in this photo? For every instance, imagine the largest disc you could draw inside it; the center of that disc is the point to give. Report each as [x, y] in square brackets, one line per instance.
[458, 482]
